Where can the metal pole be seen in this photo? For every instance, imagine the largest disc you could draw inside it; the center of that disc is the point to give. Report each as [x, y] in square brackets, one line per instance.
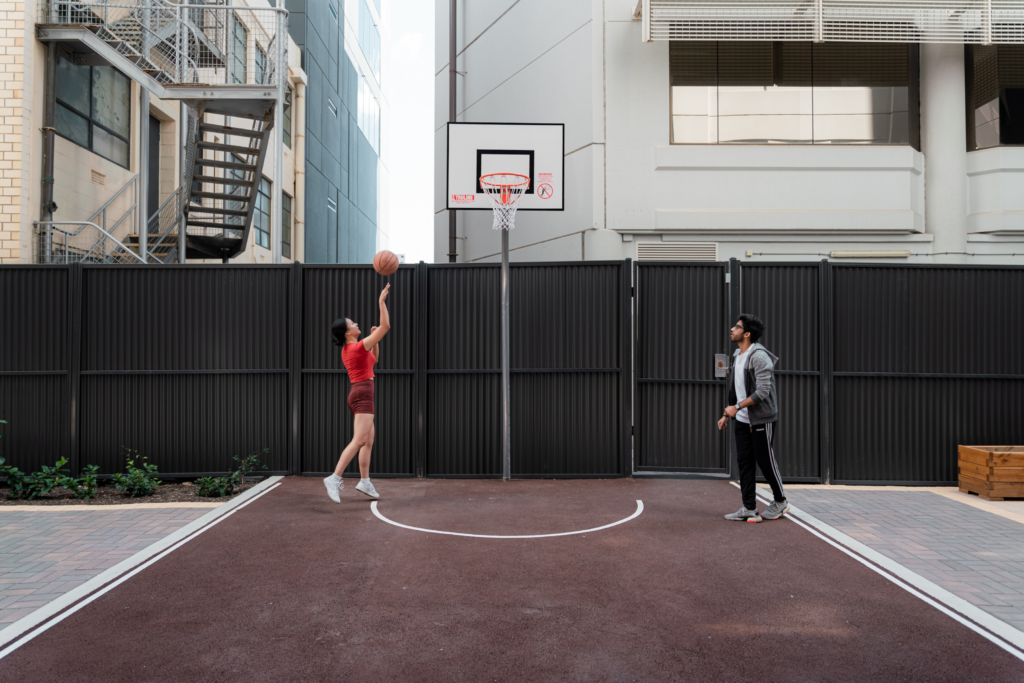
[452, 241]
[142, 206]
[506, 472]
[281, 74]
[49, 121]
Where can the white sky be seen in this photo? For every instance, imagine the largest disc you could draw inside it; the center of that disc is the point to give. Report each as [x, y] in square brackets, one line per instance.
[411, 160]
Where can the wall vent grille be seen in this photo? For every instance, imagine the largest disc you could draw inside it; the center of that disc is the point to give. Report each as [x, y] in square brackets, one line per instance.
[677, 251]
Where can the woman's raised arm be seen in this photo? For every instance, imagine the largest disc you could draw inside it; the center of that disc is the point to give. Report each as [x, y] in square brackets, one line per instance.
[385, 322]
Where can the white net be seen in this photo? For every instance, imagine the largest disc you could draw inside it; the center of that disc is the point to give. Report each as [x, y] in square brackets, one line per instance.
[504, 190]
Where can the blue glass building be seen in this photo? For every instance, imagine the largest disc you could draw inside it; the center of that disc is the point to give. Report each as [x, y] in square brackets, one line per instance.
[341, 55]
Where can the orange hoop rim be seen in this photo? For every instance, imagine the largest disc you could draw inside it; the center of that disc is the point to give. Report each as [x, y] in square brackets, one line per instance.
[524, 183]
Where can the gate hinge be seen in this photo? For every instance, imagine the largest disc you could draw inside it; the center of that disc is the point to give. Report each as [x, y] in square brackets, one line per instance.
[728, 278]
[632, 292]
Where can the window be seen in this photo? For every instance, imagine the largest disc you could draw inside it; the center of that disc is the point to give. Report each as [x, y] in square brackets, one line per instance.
[261, 65]
[369, 41]
[334, 10]
[368, 114]
[94, 109]
[332, 205]
[239, 46]
[287, 132]
[261, 216]
[332, 107]
[995, 95]
[286, 226]
[793, 93]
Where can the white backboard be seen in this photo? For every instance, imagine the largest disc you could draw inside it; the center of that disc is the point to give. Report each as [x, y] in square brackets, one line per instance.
[535, 150]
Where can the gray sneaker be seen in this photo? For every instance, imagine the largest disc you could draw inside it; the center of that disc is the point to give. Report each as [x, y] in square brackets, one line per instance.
[775, 510]
[744, 515]
[368, 489]
[333, 488]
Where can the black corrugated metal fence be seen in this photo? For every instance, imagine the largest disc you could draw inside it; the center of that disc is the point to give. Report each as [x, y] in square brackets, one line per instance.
[883, 370]
[191, 365]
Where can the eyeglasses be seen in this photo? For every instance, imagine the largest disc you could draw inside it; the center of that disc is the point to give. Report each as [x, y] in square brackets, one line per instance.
[737, 327]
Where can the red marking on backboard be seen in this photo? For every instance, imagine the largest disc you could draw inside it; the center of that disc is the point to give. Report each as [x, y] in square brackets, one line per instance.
[545, 191]
[463, 198]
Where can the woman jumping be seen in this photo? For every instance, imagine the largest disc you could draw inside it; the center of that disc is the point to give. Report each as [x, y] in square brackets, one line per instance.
[359, 357]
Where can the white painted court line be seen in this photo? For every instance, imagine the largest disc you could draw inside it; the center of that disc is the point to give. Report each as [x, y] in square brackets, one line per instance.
[85, 593]
[995, 630]
[639, 509]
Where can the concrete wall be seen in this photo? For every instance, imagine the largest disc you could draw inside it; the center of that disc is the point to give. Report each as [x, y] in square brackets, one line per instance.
[582, 63]
[526, 61]
[996, 190]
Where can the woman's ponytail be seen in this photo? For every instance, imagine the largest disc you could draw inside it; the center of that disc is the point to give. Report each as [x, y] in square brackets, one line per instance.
[339, 329]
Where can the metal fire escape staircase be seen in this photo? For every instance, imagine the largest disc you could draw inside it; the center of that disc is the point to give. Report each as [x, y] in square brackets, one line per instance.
[191, 52]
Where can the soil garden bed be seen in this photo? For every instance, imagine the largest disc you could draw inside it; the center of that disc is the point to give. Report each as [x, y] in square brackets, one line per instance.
[106, 494]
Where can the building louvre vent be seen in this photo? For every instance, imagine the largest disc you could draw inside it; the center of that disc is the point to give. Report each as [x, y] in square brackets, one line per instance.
[677, 251]
[877, 21]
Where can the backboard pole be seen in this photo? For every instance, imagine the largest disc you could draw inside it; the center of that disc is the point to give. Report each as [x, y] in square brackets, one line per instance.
[506, 472]
[453, 250]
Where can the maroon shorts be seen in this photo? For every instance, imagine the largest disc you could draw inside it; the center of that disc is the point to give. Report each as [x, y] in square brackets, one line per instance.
[360, 398]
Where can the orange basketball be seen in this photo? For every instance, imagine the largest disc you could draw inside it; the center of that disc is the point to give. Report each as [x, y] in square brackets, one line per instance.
[385, 262]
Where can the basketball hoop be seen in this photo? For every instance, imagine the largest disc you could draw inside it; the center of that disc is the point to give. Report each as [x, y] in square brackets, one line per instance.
[504, 190]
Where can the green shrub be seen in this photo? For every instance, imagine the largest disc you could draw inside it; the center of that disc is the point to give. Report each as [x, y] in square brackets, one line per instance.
[137, 481]
[16, 479]
[31, 486]
[215, 487]
[218, 487]
[85, 486]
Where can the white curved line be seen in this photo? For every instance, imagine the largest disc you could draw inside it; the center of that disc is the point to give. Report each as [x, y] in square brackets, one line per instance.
[639, 509]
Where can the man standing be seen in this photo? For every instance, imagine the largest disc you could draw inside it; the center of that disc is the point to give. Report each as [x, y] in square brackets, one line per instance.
[754, 403]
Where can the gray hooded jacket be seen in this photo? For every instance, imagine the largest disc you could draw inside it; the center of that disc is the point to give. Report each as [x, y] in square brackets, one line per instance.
[760, 383]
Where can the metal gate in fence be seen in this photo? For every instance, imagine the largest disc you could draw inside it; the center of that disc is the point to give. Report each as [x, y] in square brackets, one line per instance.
[682, 314]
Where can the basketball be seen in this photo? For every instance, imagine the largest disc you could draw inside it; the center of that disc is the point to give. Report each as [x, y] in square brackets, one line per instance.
[385, 262]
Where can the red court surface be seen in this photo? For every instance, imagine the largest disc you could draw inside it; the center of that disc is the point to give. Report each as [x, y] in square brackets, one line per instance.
[294, 587]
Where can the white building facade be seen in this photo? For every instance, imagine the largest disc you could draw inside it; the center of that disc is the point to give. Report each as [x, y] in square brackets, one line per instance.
[711, 130]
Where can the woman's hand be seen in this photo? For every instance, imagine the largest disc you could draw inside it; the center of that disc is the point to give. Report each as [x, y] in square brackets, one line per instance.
[373, 329]
[384, 292]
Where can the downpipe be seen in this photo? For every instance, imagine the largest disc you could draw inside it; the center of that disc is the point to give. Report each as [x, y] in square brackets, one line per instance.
[47, 205]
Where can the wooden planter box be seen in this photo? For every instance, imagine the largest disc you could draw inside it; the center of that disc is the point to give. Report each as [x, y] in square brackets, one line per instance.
[993, 472]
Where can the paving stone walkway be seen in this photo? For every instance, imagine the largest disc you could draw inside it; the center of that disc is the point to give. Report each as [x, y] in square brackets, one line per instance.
[44, 554]
[974, 553]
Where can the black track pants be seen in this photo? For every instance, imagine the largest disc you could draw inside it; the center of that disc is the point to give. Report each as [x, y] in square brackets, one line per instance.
[754, 445]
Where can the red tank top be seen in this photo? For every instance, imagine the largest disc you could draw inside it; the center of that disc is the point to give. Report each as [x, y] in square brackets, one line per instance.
[358, 361]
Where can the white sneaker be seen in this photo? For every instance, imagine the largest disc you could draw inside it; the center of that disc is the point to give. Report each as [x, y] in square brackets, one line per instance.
[333, 489]
[368, 489]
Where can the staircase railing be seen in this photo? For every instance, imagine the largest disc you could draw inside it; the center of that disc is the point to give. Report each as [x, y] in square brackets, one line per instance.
[88, 244]
[82, 240]
[163, 229]
[201, 43]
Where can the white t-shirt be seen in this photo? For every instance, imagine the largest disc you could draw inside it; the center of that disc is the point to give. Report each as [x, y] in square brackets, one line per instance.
[741, 385]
